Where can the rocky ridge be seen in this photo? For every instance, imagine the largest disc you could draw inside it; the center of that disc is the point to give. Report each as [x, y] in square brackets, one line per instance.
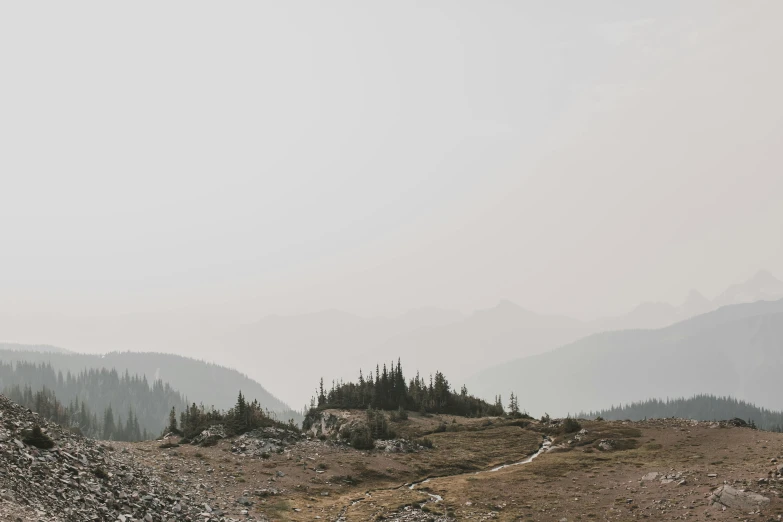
[79, 479]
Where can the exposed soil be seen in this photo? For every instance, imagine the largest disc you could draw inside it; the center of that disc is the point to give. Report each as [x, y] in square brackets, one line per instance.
[574, 481]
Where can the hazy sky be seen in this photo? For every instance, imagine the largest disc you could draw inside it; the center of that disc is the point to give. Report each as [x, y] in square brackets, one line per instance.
[244, 158]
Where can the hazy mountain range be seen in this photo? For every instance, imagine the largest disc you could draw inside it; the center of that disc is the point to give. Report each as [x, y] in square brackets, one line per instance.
[332, 344]
[736, 350]
[337, 342]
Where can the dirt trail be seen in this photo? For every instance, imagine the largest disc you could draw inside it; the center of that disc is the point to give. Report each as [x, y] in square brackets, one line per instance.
[546, 445]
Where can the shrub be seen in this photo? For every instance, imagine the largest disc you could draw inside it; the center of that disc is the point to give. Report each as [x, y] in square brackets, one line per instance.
[361, 438]
[399, 415]
[39, 439]
[441, 428]
[571, 425]
[379, 427]
[425, 442]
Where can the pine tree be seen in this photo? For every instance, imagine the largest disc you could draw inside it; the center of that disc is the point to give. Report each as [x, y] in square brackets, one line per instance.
[513, 406]
[108, 424]
[172, 421]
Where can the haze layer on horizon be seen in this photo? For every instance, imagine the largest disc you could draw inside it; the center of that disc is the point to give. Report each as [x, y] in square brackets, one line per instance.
[236, 161]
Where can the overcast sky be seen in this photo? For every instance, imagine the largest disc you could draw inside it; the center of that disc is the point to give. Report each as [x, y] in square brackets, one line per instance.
[246, 158]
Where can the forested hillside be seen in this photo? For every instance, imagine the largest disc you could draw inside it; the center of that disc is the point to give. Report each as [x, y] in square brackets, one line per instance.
[79, 417]
[698, 407]
[197, 381]
[94, 394]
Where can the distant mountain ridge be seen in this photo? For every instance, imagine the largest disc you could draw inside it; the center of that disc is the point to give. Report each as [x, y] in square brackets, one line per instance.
[43, 348]
[763, 286]
[501, 333]
[736, 351]
[424, 339]
[319, 344]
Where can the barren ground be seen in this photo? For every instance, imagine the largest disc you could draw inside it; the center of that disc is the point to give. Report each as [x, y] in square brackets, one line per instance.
[578, 481]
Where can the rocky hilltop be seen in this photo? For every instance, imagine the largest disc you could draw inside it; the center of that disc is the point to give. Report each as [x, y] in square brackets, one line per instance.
[47, 473]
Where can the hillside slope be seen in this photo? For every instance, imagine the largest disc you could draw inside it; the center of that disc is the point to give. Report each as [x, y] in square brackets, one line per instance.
[59, 476]
[43, 348]
[198, 381]
[735, 350]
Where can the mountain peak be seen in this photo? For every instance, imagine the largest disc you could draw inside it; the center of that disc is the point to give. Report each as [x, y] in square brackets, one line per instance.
[763, 278]
[695, 304]
[763, 286]
[508, 304]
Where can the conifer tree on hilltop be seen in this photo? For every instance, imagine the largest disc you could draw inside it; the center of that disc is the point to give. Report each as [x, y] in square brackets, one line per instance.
[173, 421]
[390, 391]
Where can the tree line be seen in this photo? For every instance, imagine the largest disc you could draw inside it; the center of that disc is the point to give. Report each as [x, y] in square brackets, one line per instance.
[112, 399]
[699, 407]
[387, 389]
[243, 417]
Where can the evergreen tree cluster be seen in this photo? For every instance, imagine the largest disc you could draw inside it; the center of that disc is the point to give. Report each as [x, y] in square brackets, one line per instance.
[78, 416]
[699, 407]
[119, 406]
[387, 390]
[243, 417]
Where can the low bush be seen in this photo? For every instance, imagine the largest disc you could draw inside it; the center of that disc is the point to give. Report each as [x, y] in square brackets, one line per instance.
[425, 442]
[361, 438]
[39, 439]
[571, 425]
[399, 415]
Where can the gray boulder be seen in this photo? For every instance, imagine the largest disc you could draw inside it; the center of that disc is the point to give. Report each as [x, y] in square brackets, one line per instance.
[738, 499]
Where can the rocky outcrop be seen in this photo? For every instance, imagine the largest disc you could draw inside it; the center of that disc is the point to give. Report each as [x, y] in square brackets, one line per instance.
[264, 441]
[325, 424]
[210, 436]
[738, 499]
[79, 479]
